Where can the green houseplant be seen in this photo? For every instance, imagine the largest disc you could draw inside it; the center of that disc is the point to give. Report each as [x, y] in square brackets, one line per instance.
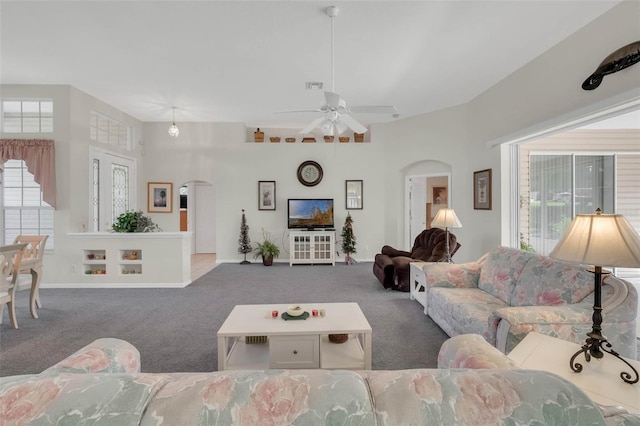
[267, 249]
[134, 221]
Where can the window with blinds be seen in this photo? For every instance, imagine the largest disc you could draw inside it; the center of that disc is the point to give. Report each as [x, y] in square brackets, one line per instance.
[563, 185]
[23, 209]
[27, 116]
[110, 132]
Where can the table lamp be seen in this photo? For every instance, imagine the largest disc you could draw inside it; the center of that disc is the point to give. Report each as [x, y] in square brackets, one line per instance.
[446, 218]
[599, 239]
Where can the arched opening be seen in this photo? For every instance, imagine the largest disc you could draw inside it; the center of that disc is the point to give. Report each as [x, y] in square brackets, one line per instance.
[427, 189]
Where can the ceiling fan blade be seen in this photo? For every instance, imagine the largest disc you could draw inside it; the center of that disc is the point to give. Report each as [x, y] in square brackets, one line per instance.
[299, 110]
[315, 123]
[373, 109]
[352, 124]
[332, 99]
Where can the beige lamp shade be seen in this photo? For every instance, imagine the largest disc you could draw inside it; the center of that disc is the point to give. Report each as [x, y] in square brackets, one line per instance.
[446, 218]
[600, 240]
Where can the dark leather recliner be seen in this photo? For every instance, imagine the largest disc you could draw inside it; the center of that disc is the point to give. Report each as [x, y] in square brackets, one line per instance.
[391, 266]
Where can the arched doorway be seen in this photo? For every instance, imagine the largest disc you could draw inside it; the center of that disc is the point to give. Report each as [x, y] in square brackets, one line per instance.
[427, 189]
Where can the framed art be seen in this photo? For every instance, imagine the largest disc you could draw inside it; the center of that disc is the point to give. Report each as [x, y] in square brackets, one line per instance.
[267, 195]
[353, 194]
[159, 197]
[440, 195]
[482, 190]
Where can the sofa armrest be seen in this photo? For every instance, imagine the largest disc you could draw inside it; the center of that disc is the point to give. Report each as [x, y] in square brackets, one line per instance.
[383, 261]
[391, 252]
[105, 355]
[464, 275]
[471, 351]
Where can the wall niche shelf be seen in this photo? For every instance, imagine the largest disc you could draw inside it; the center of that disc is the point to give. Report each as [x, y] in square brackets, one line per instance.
[284, 136]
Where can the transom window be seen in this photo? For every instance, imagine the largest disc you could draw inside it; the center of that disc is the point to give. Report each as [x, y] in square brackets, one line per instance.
[27, 116]
[108, 131]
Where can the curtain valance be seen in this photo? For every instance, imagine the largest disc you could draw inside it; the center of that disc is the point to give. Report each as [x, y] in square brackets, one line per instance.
[40, 158]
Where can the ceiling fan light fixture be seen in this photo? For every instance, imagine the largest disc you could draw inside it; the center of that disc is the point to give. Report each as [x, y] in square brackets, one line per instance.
[173, 130]
[335, 112]
[314, 85]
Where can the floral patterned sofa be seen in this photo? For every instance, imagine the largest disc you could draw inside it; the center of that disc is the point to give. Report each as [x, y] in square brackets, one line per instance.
[102, 384]
[473, 351]
[509, 292]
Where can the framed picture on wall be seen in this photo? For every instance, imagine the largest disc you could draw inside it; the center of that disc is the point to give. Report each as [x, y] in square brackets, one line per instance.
[353, 194]
[159, 197]
[482, 190]
[267, 195]
[440, 195]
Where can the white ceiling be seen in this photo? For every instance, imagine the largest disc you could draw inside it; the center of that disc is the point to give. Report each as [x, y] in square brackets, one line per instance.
[242, 61]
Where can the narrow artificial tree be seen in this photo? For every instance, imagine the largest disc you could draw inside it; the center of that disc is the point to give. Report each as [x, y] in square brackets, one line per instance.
[348, 240]
[244, 243]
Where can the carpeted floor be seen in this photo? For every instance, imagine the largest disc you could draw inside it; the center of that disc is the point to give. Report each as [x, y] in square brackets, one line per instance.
[175, 329]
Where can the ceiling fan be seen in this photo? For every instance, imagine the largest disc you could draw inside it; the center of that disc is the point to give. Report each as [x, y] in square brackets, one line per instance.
[335, 112]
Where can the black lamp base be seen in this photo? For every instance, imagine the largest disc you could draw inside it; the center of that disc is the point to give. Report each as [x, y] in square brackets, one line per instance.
[596, 346]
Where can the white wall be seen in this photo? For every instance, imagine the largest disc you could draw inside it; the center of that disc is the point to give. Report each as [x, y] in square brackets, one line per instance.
[219, 153]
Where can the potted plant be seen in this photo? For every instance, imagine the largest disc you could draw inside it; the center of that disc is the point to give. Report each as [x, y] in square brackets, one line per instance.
[133, 221]
[267, 249]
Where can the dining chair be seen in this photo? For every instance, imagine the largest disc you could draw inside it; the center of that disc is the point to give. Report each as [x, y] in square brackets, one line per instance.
[10, 258]
[31, 265]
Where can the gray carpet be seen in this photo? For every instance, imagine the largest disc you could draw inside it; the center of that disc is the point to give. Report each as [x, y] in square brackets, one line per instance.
[175, 329]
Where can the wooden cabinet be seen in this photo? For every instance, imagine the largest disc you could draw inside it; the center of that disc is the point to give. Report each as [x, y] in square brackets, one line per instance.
[312, 247]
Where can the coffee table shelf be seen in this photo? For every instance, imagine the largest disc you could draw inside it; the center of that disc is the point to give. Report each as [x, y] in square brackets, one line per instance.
[295, 344]
[345, 356]
[243, 356]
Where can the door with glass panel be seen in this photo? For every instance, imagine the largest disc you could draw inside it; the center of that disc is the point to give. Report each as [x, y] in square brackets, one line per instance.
[112, 188]
[563, 185]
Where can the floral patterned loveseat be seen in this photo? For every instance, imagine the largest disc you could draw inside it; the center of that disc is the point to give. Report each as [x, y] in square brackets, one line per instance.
[509, 292]
[102, 384]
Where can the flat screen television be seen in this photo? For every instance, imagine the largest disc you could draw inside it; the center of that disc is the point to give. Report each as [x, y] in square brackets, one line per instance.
[310, 213]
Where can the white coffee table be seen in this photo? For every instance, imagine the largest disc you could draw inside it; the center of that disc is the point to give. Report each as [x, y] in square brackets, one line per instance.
[600, 379]
[295, 343]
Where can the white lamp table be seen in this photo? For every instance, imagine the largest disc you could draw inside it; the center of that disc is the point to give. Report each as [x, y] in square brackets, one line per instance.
[599, 379]
[418, 284]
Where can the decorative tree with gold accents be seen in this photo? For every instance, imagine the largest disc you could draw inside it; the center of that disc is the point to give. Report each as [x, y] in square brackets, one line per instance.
[244, 243]
[348, 240]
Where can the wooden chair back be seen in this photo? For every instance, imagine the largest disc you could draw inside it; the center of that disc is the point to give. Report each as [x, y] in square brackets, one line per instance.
[34, 252]
[10, 261]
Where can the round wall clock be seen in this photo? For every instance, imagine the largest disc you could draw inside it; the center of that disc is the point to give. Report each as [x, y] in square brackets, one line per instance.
[309, 173]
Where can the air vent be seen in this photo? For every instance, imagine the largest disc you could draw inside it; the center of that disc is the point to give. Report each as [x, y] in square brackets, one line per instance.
[313, 85]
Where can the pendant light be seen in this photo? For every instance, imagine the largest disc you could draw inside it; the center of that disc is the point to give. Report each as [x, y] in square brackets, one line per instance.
[173, 130]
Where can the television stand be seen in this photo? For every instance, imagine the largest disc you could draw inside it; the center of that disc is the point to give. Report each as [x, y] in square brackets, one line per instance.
[317, 247]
